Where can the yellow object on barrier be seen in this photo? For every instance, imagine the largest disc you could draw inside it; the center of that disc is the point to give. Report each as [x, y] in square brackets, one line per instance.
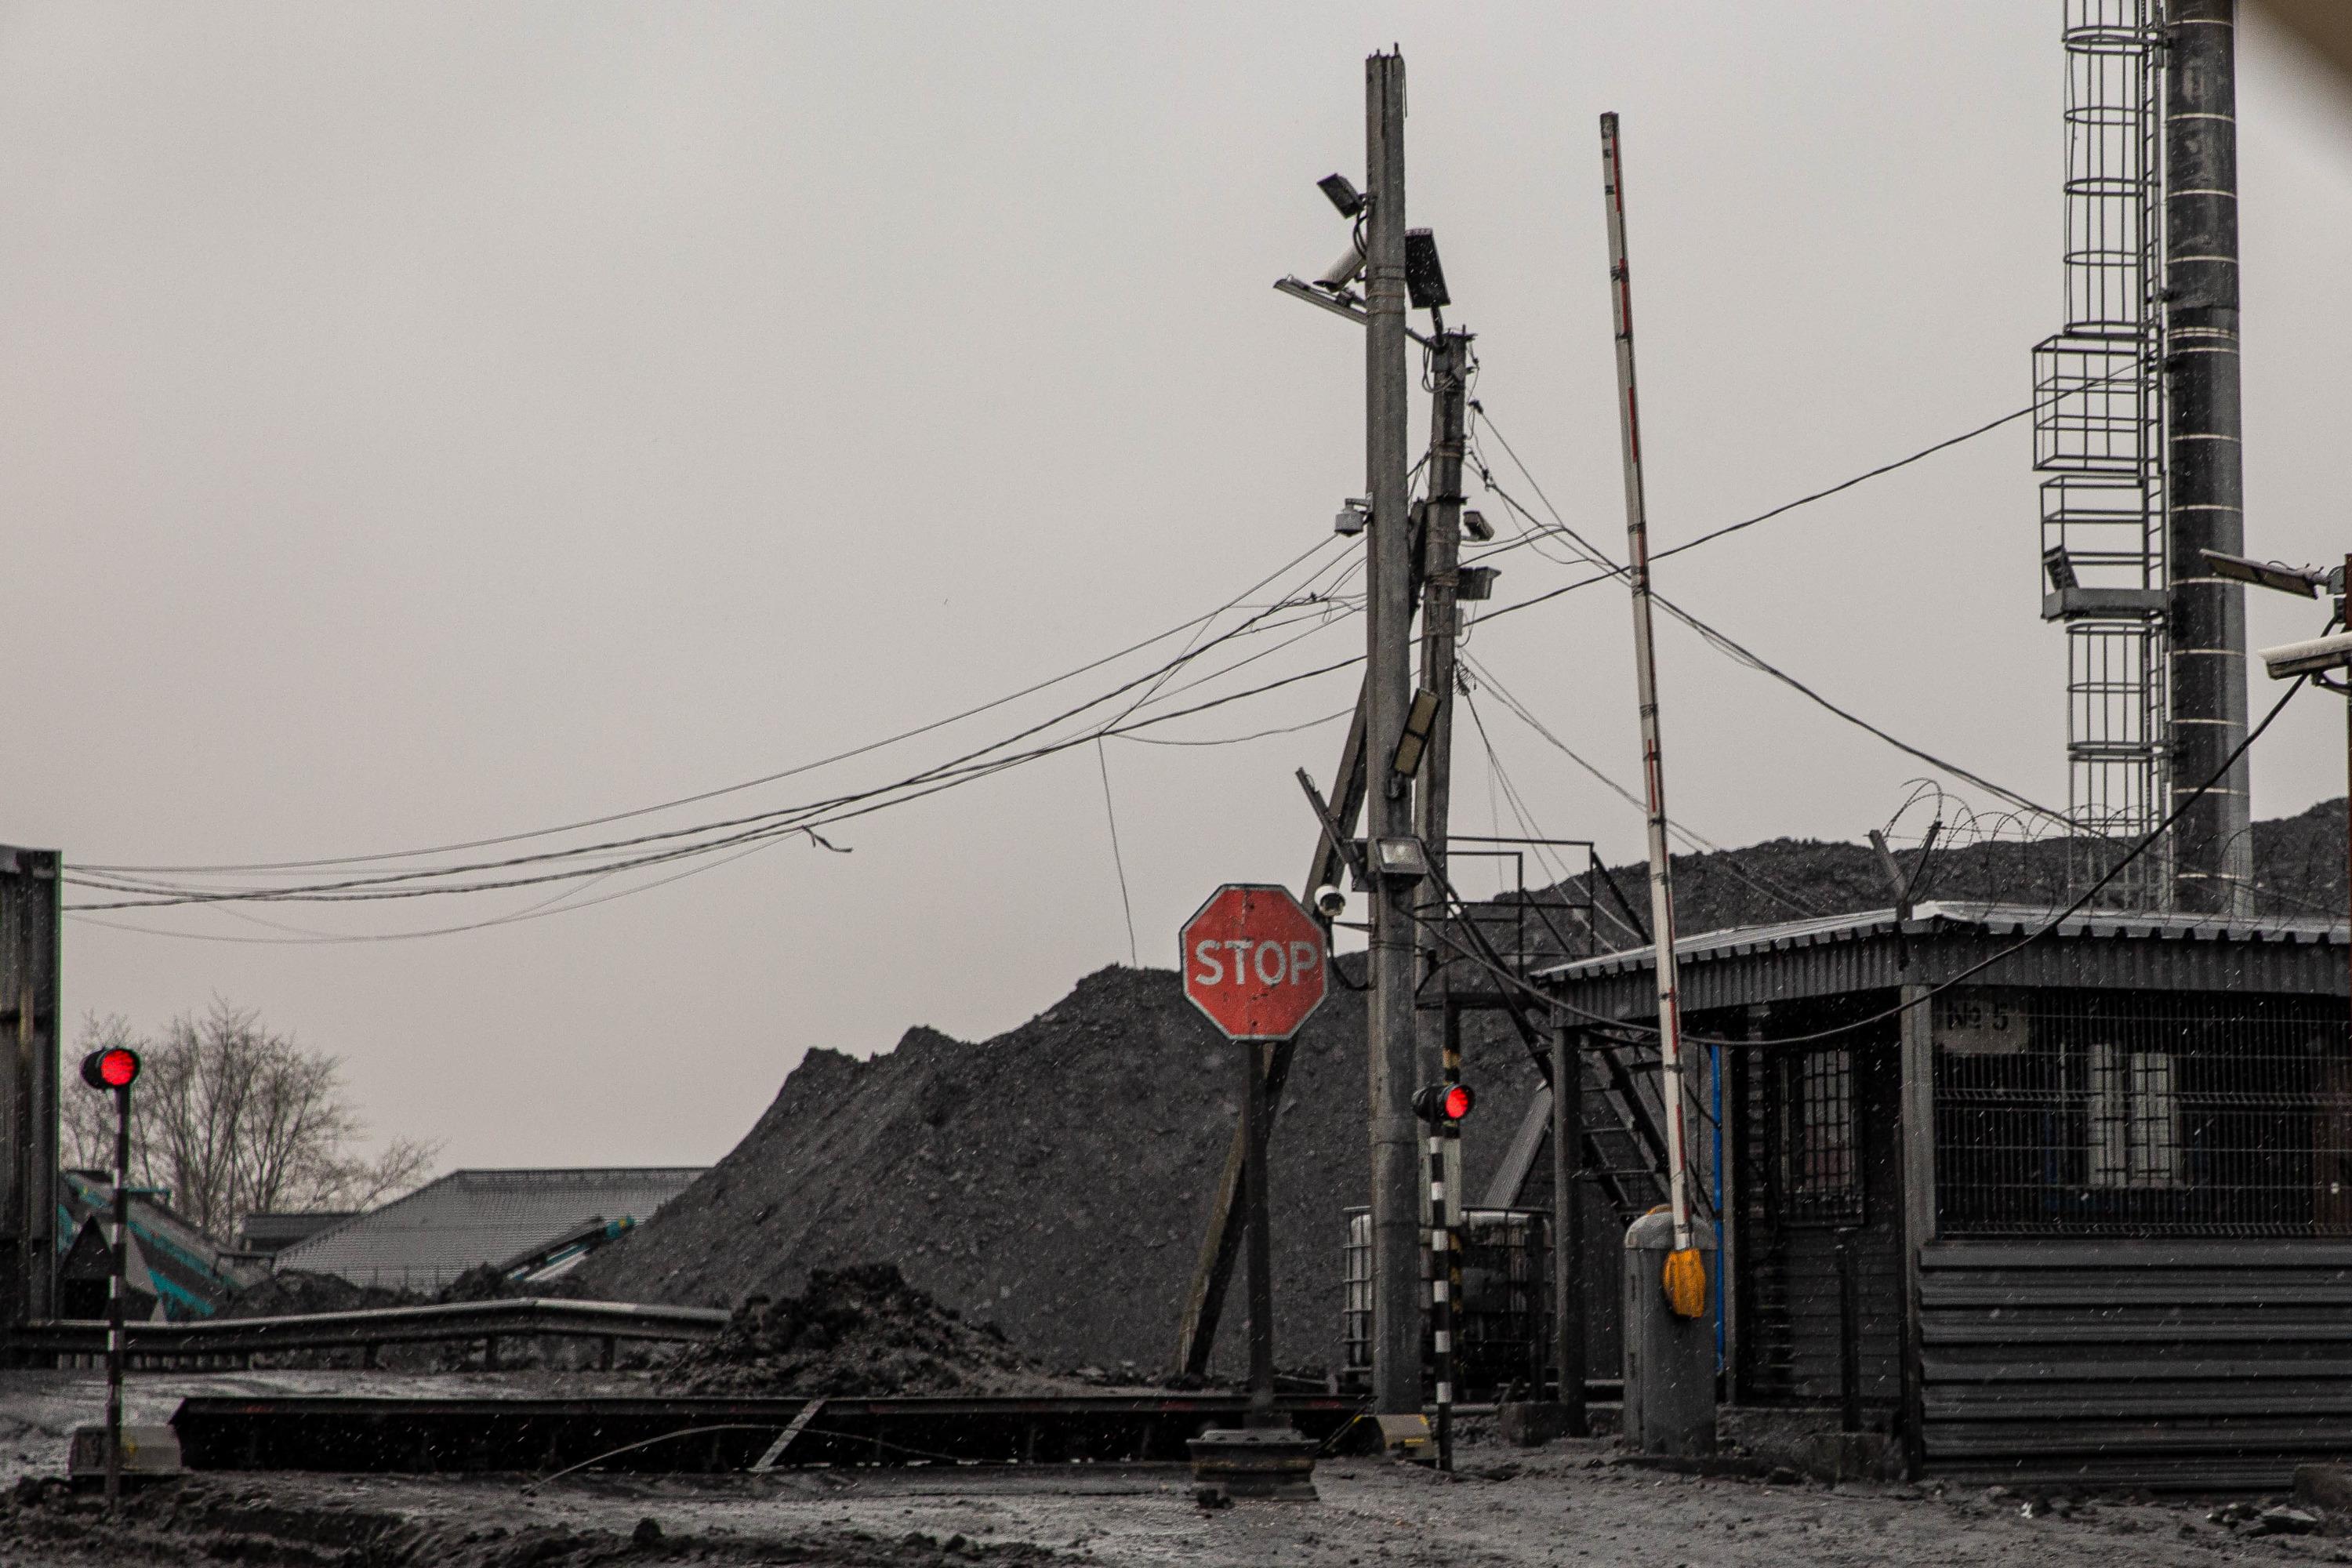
[1684, 1279]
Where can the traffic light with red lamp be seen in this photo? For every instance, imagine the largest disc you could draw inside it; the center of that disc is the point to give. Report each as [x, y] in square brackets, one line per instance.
[117, 1066]
[1444, 1104]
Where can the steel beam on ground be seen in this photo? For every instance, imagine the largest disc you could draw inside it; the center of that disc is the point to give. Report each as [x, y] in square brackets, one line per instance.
[703, 1434]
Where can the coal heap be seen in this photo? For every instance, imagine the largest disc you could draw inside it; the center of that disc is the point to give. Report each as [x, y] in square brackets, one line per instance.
[1055, 1181]
[292, 1292]
[856, 1331]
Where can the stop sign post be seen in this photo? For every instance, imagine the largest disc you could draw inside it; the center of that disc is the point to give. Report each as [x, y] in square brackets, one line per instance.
[1256, 964]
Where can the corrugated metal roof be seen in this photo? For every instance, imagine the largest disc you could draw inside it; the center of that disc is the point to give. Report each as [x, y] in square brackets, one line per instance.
[467, 1218]
[275, 1232]
[1953, 918]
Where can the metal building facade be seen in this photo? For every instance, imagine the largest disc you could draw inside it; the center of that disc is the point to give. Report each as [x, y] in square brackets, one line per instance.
[2095, 1196]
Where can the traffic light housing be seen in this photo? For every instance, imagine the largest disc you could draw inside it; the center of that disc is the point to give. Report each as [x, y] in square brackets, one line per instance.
[1444, 1104]
[117, 1066]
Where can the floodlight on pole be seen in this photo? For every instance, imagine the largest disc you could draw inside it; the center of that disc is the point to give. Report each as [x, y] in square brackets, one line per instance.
[2303, 581]
[2060, 568]
[1340, 304]
[1400, 860]
[1343, 193]
[1425, 275]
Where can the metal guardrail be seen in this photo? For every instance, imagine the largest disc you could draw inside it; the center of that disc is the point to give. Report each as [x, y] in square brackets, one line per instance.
[526, 1318]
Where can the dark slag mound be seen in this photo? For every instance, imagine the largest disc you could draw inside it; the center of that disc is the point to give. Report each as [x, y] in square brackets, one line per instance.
[1056, 1180]
[857, 1330]
[293, 1292]
[1053, 1181]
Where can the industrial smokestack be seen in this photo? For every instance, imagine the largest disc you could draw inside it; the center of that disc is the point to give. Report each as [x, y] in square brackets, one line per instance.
[2212, 850]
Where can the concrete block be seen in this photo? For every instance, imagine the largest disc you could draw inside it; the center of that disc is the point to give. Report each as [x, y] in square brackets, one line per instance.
[1257, 1462]
[149, 1453]
[1851, 1457]
[1531, 1424]
[1669, 1359]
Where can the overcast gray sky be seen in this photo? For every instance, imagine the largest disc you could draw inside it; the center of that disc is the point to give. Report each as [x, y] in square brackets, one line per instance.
[424, 422]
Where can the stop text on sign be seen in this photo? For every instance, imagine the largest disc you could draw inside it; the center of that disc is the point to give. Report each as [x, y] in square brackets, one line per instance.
[1268, 962]
[1254, 962]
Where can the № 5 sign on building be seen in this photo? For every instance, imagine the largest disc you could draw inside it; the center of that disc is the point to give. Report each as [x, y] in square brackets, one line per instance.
[1253, 961]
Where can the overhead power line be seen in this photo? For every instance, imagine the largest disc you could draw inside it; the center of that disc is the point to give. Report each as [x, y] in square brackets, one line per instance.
[695, 799]
[1723, 643]
[1519, 983]
[765, 826]
[785, 816]
[1986, 428]
[156, 886]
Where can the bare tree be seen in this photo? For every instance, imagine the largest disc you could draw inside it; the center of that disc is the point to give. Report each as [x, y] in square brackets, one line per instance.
[236, 1119]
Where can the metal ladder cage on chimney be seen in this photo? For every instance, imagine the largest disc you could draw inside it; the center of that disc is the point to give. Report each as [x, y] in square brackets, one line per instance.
[2098, 433]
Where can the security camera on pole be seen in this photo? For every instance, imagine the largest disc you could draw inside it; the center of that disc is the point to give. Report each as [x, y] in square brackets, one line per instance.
[1255, 964]
[116, 1068]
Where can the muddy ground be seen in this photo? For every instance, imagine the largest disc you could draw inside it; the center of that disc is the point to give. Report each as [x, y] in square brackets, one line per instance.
[1568, 1503]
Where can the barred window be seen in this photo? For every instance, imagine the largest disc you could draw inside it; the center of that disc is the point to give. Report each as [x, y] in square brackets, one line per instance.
[1818, 1176]
[2134, 1118]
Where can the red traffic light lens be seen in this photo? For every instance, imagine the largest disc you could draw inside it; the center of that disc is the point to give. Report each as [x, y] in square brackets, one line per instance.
[114, 1067]
[1441, 1103]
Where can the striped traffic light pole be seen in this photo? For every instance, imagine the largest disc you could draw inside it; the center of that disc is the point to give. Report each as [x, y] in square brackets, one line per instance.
[117, 1068]
[1441, 1106]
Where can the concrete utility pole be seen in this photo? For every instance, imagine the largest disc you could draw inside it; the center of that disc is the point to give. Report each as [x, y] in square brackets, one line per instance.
[1440, 1023]
[2213, 849]
[1395, 1198]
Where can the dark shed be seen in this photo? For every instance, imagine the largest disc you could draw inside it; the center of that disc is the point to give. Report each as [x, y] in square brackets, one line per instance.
[2096, 1185]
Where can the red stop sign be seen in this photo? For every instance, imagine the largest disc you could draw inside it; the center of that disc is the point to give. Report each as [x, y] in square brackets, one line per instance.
[1253, 961]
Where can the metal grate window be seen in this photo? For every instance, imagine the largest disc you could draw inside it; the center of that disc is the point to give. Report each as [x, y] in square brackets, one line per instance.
[2127, 1113]
[1819, 1177]
[2134, 1118]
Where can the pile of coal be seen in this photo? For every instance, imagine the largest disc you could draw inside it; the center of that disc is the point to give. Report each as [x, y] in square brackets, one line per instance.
[856, 1331]
[484, 1282]
[294, 1292]
[1055, 1181]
